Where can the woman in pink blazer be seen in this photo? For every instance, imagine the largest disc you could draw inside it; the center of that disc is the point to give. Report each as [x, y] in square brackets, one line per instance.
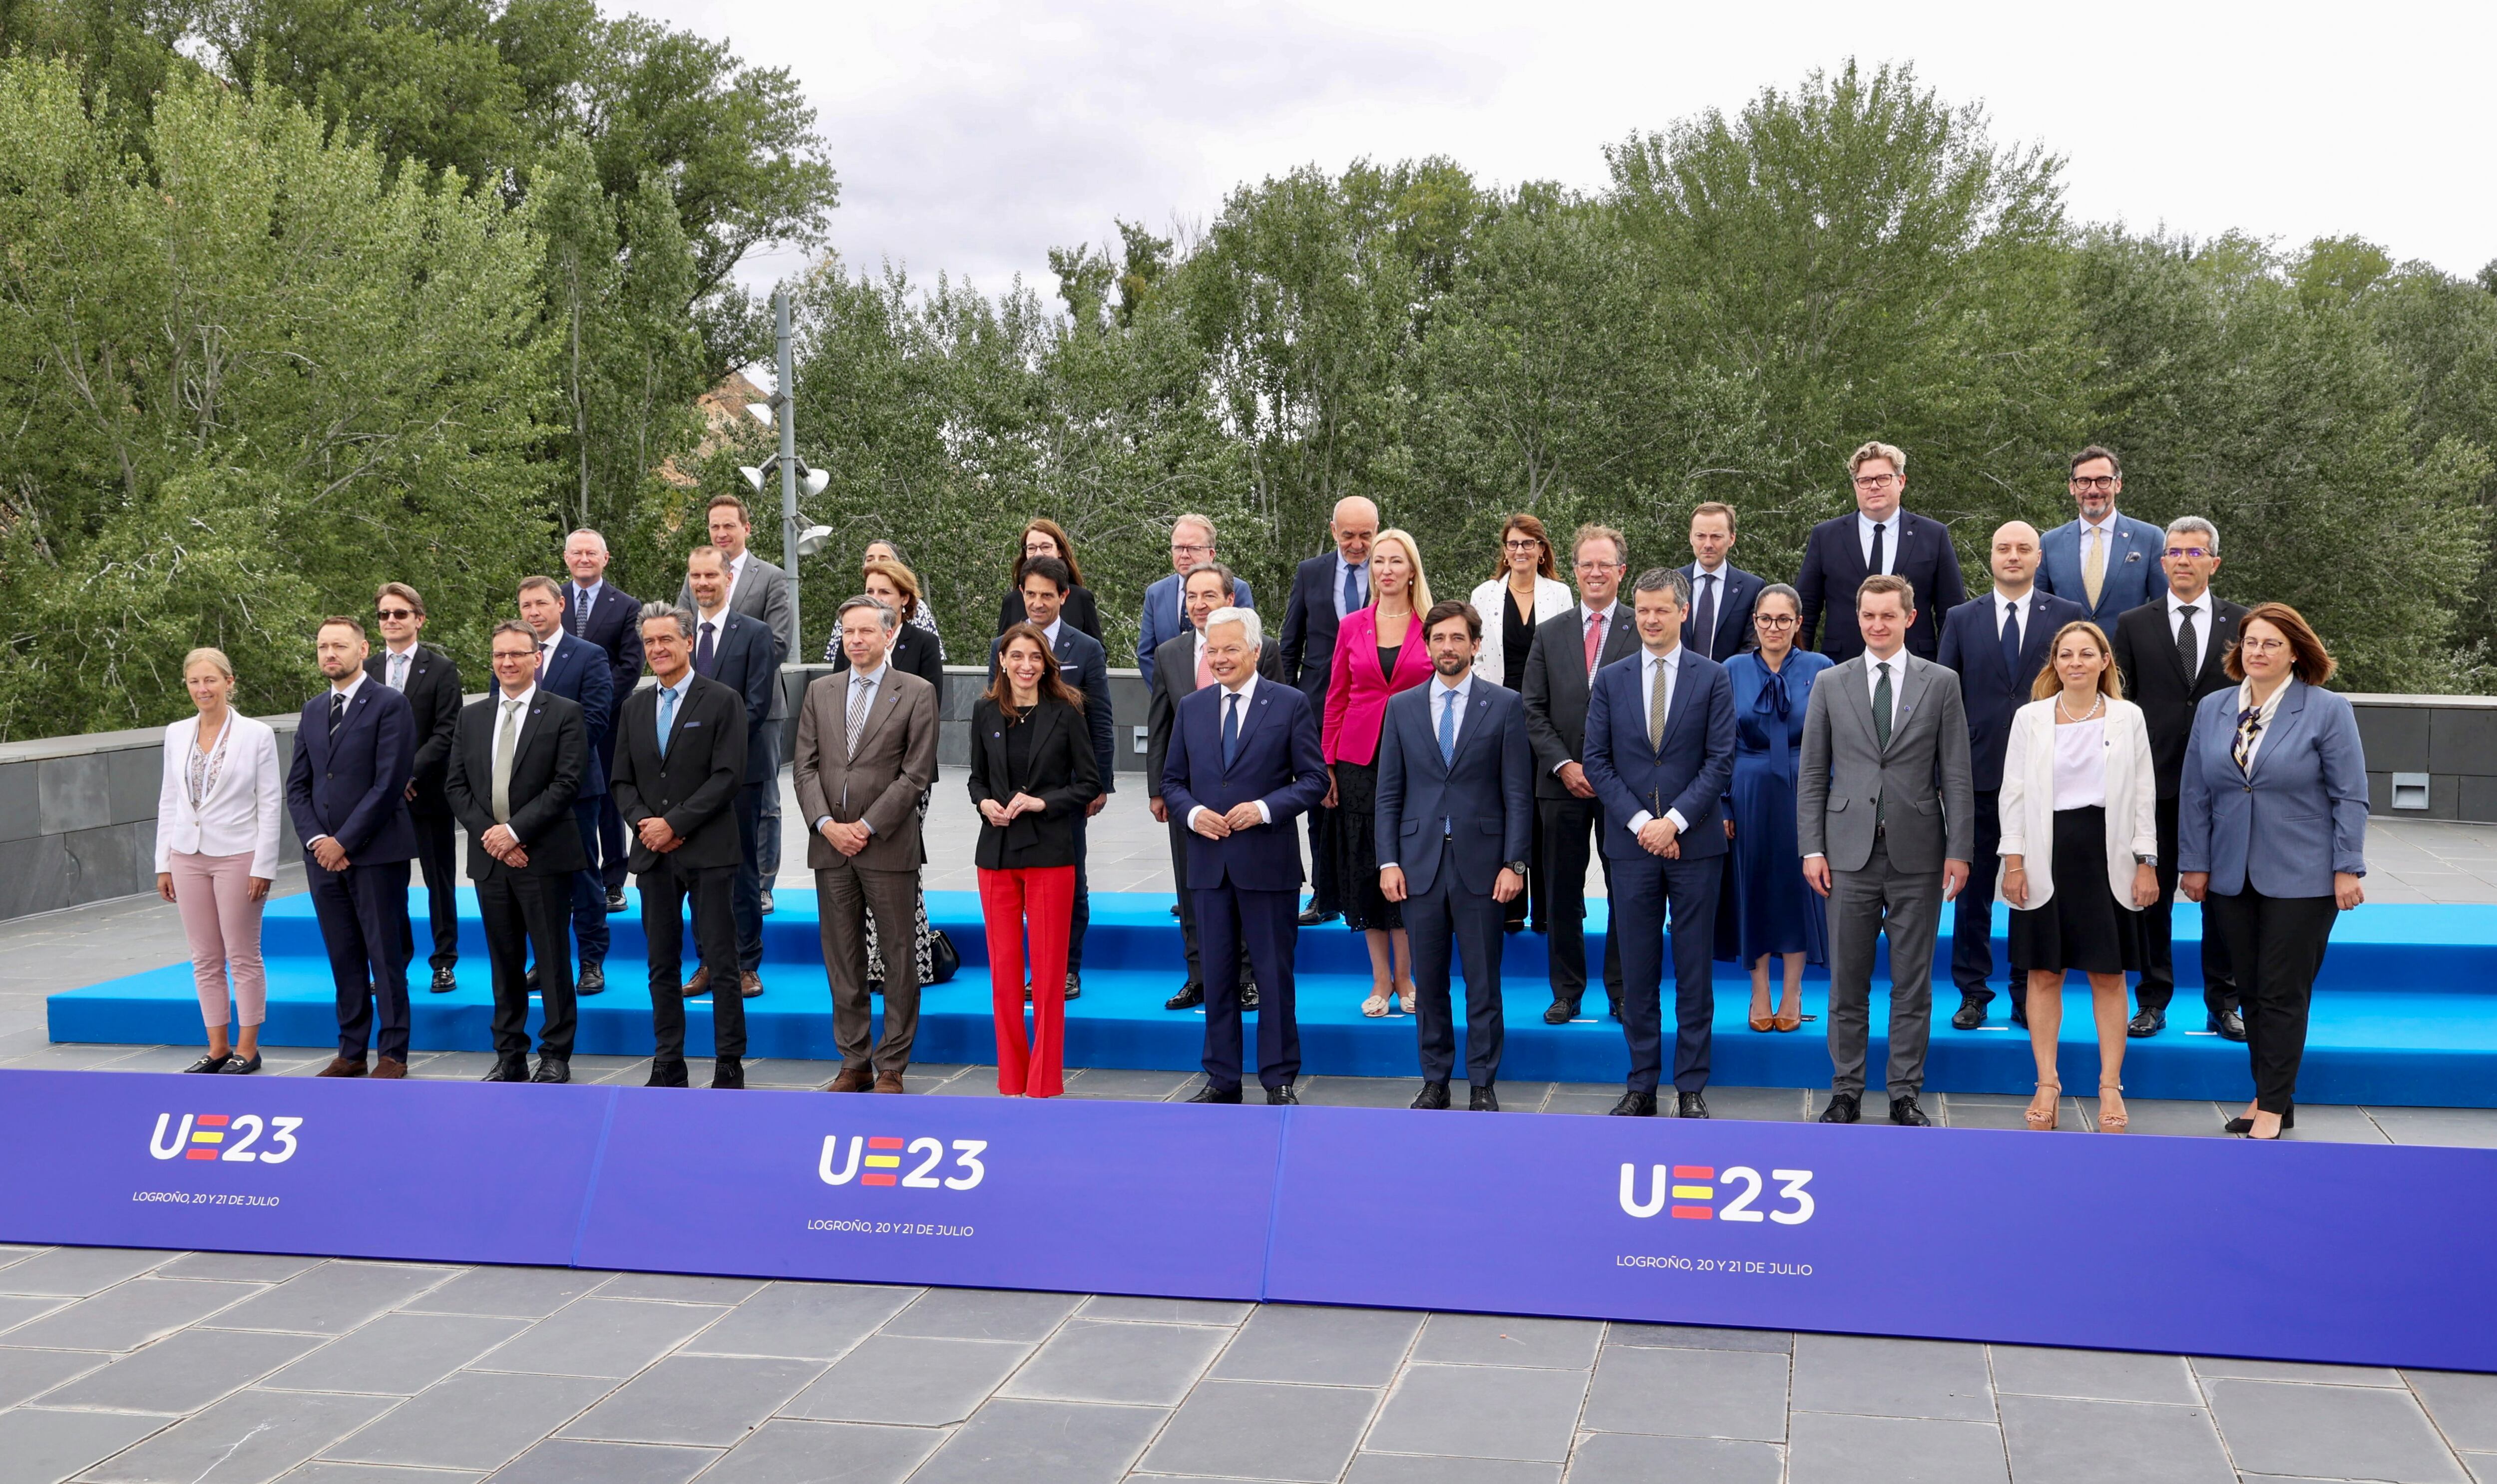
[1378, 651]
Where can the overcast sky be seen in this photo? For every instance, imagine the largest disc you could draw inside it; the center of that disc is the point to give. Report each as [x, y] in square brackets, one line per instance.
[973, 137]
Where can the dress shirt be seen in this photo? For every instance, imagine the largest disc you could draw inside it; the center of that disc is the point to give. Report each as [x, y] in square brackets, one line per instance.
[524, 698]
[356, 682]
[1898, 664]
[547, 649]
[2022, 605]
[859, 680]
[717, 618]
[1050, 633]
[397, 663]
[2202, 606]
[1440, 691]
[1335, 589]
[1611, 615]
[1890, 540]
[1246, 693]
[736, 574]
[582, 600]
[1657, 670]
[673, 703]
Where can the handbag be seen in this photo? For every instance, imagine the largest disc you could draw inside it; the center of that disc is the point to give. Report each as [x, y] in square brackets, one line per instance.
[942, 961]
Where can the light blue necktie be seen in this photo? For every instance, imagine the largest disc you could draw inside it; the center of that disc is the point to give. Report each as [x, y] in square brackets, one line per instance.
[1447, 727]
[667, 718]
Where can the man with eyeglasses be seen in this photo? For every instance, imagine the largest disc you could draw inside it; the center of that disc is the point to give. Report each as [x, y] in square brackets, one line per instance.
[1165, 617]
[2105, 561]
[2171, 653]
[1880, 539]
[431, 682]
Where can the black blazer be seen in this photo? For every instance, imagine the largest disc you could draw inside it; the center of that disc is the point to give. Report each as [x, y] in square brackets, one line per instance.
[547, 769]
[2155, 677]
[1309, 629]
[744, 659]
[913, 652]
[1172, 677]
[1555, 689]
[1081, 612]
[1062, 776]
[1833, 568]
[1085, 666]
[433, 698]
[694, 786]
[1735, 597]
[1972, 646]
[614, 625]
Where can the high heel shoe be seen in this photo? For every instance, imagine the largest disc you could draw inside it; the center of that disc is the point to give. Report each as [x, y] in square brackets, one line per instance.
[2114, 1121]
[1761, 1021]
[2045, 1121]
[1406, 996]
[1789, 1020]
[2246, 1125]
[1375, 1006]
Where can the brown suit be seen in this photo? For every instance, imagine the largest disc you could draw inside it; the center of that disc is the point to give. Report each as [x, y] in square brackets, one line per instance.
[880, 784]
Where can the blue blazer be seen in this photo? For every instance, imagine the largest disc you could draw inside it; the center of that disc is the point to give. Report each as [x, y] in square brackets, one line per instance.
[581, 672]
[354, 788]
[1833, 568]
[1734, 599]
[1973, 644]
[2133, 576]
[745, 658]
[1309, 628]
[614, 625]
[1085, 666]
[1689, 774]
[1278, 762]
[2299, 818]
[1488, 790]
[1163, 620]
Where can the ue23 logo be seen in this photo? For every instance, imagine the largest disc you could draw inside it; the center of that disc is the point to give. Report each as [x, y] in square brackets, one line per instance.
[233, 1138]
[884, 1158]
[1693, 1190]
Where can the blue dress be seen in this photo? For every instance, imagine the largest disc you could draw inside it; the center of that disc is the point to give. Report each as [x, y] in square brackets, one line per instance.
[1772, 909]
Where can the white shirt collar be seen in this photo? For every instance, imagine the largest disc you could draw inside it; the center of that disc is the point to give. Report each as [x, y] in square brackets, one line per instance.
[2021, 602]
[1670, 659]
[1864, 523]
[355, 682]
[591, 591]
[1247, 687]
[1608, 611]
[2203, 605]
[524, 698]
[873, 677]
[1055, 624]
[1700, 569]
[2107, 524]
[408, 653]
[718, 616]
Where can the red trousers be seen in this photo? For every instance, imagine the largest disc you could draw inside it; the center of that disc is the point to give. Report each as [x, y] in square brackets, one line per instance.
[1044, 898]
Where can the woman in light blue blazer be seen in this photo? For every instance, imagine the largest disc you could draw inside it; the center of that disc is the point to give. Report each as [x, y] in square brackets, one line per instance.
[2271, 838]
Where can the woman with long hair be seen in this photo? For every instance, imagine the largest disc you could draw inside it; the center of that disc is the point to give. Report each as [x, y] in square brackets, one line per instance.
[1772, 912]
[1524, 589]
[1042, 537]
[1378, 651]
[217, 853]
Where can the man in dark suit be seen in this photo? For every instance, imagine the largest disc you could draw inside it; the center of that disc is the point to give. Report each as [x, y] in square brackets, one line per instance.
[1660, 753]
[1178, 671]
[1569, 649]
[1998, 643]
[1325, 588]
[430, 683]
[1880, 537]
[1456, 821]
[578, 670]
[609, 617]
[1085, 666]
[2172, 651]
[354, 753]
[2106, 560]
[737, 650]
[514, 773]
[1244, 759]
[1165, 614]
[758, 590]
[1722, 595]
[680, 765]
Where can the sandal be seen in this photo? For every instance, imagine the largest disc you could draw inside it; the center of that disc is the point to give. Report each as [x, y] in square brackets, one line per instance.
[1375, 1006]
[1789, 1020]
[2113, 1120]
[1405, 997]
[2044, 1120]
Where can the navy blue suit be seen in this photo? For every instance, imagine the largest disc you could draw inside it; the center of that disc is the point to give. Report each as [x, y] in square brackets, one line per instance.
[1085, 666]
[614, 623]
[353, 788]
[746, 659]
[1450, 826]
[1689, 774]
[1736, 597]
[1308, 645]
[1971, 644]
[2131, 577]
[1833, 568]
[581, 672]
[1165, 615]
[1247, 885]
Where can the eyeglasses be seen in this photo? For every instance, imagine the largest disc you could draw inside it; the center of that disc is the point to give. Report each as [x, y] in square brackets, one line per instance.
[2101, 483]
[501, 655]
[396, 613]
[2262, 645]
[2190, 552]
[1593, 568]
[1875, 481]
[1774, 620]
[1040, 549]
[1178, 548]
[1529, 545]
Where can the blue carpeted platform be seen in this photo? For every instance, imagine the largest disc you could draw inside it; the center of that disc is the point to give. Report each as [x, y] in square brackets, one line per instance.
[2405, 1013]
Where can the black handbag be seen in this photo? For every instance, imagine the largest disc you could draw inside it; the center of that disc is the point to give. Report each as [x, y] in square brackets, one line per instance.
[943, 962]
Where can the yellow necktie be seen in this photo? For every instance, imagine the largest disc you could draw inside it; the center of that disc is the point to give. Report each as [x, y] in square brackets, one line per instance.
[2094, 564]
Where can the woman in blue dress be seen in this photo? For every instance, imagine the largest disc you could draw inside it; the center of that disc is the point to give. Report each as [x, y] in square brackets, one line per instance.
[1774, 912]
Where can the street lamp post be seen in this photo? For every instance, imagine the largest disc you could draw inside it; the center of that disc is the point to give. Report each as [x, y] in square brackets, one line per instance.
[796, 540]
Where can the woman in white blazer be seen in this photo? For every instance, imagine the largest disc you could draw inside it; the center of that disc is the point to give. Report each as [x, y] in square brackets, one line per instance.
[1523, 591]
[2079, 854]
[216, 852]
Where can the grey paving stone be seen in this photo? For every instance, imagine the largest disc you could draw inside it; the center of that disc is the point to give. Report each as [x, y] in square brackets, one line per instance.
[1414, 1469]
[2206, 1367]
[1122, 1083]
[1481, 1411]
[681, 1287]
[2329, 1123]
[1319, 1347]
[705, 1401]
[2464, 1404]
[2466, 1127]
[782, 1451]
[1891, 1377]
[184, 1372]
[1761, 1105]
[1147, 1365]
[17, 1309]
[238, 1267]
[38, 1446]
[78, 1270]
[398, 1354]
[1625, 1458]
[1496, 1339]
[515, 1294]
[1165, 1311]
[1359, 1091]
[251, 1435]
[474, 1420]
[1694, 1336]
[2167, 1117]
[2102, 1376]
[1258, 1429]
[25, 1374]
[1732, 1394]
[803, 1321]
[2063, 1441]
[569, 1461]
[334, 1298]
[2483, 1466]
[2330, 1432]
[907, 1380]
[982, 1313]
[602, 1336]
[128, 1316]
[1827, 1449]
[1043, 1442]
[318, 1472]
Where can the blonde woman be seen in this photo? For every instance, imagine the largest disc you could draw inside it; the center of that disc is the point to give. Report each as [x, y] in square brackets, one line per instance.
[217, 853]
[2079, 855]
[1378, 651]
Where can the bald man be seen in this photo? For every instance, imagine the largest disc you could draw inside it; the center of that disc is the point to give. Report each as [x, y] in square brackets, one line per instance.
[1324, 588]
[599, 611]
[1998, 643]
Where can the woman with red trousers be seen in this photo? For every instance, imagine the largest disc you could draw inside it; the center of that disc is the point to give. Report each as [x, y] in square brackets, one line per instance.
[1032, 773]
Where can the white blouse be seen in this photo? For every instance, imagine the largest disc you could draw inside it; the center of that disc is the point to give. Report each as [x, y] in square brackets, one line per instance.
[2080, 764]
[225, 801]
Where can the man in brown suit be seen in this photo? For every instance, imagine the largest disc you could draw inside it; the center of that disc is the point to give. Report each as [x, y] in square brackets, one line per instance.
[867, 750]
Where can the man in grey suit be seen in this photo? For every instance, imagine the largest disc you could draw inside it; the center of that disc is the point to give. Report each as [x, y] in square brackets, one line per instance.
[1880, 841]
[757, 589]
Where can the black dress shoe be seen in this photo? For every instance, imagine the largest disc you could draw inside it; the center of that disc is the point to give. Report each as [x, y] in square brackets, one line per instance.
[767, 902]
[593, 980]
[2288, 1122]
[445, 981]
[615, 902]
[508, 1069]
[554, 1069]
[1312, 917]
[1190, 995]
[1075, 986]
[1971, 1013]
[2020, 1014]
[1247, 993]
[1210, 1094]
[1692, 1105]
[1844, 1108]
[241, 1066]
[210, 1063]
[1635, 1105]
[1904, 1112]
[1484, 1101]
[1560, 1013]
[1614, 1009]
[2231, 1024]
[1173, 909]
[1434, 1095]
[1283, 1095]
[875, 985]
[531, 981]
[728, 1072]
[667, 1074]
[2148, 1022]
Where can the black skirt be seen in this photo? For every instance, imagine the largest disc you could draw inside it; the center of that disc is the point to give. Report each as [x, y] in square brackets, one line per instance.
[2082, 926]
[1356, 853]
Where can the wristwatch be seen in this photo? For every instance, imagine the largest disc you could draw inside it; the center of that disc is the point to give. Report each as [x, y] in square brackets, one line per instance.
[1518, 867]
[2146, 860]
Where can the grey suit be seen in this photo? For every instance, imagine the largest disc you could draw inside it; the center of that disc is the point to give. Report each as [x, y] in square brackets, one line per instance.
[1886, 818]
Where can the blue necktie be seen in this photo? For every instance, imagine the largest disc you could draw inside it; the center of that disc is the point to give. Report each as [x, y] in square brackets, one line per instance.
[1230, 729]
[2011, 643]
[1351, 588]
[667, 718]
[1447, 727]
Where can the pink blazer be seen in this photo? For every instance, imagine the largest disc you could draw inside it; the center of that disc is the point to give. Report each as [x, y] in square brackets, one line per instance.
[1356, 698]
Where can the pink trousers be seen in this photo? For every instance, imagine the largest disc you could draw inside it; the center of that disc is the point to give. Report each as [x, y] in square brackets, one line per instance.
[213, 893]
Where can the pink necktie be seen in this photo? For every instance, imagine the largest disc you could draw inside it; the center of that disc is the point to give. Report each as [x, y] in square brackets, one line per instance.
[1594, 639]
[1204, 672]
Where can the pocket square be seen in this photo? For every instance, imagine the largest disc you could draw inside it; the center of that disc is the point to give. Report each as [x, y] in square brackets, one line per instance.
[692, 726]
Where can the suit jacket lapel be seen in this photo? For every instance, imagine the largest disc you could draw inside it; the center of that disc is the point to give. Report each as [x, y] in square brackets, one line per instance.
[2224, 628]
[2287, 721]
[1857, 689]
[1909, 691]
[1477, 716]
[1250, 714]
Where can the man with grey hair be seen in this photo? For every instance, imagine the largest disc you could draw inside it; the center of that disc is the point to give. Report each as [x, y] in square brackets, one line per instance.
[604, 615]
[2172, 651]
[1325, 588]
[1165, 617]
